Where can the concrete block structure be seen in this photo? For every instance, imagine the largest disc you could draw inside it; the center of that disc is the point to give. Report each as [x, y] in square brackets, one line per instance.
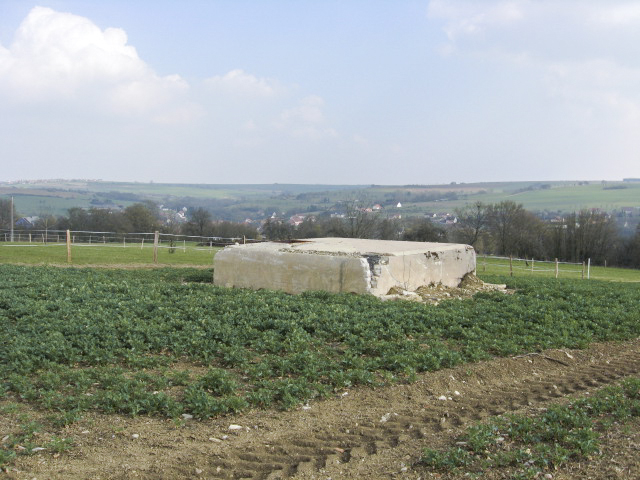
[343, 265]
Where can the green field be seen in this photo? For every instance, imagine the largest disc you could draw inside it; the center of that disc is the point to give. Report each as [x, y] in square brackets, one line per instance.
[110, 254]
[240, 201]
[167, 342]
[118, 333]
[486, 265]
[189, 254]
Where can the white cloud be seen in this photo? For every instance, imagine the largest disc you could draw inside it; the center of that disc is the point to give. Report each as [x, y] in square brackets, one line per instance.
[306, 119]
[578, 49]
[473, 17]
[615, 15]
[240, 83]
[60, 56]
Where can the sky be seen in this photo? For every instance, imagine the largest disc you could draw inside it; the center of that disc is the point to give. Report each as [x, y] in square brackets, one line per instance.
[331, 92]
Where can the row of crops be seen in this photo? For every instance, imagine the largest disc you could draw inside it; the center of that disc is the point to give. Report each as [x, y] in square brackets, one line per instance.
[167, 342]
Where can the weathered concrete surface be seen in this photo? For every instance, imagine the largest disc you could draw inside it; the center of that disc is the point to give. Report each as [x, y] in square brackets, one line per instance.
[343, 265]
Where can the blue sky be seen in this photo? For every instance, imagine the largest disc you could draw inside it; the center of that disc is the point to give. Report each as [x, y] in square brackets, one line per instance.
[341, 92]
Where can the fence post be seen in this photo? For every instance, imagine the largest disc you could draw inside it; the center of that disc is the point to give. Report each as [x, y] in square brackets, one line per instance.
[29, 238]
[532, 264]
[511, 265]
[142, 244]
[184, 245]
[556, 268]
[484, 264]
[583, 270]
[588, 268]
[68, 246]
[156, 236]
[124, 241]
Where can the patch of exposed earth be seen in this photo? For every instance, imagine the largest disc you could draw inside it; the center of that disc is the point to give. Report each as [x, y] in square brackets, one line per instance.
[361, 433]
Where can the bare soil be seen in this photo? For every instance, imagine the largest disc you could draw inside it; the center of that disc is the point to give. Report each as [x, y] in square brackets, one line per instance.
[360, 433]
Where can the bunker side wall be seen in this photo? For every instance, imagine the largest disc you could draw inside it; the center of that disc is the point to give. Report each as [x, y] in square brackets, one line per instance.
[291, 272]
[413, 271]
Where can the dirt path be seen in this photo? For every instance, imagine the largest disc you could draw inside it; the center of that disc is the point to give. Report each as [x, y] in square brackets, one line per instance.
[361, 433]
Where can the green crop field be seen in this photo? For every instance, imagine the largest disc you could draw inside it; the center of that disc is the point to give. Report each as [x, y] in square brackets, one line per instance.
[167, 342]
[117, 335]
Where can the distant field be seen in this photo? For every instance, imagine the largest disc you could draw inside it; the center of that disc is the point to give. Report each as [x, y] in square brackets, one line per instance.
[253, 201]
[558, 198]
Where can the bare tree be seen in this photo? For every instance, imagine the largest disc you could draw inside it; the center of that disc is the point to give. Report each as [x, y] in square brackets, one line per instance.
[199, 223]
[515, 230]
[359, 222]
[473, 220]
[424, 230]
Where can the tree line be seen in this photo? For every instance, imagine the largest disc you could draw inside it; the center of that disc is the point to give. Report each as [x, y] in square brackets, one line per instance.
[504, 228]
[142, 217]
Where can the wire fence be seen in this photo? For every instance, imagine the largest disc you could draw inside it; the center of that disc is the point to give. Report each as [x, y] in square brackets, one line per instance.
[93, 247]
[178, 242]
[532, 265]
[114, 239]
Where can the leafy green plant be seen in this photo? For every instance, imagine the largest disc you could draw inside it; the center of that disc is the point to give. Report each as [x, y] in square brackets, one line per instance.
[530, 445]
[131, 341]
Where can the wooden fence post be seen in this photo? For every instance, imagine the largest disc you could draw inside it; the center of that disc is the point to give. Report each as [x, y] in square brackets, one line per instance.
[68, 246]
[588, 268]
[156, 237]
[532, 264]
[511, 265]
[583, 270]
[556, 268]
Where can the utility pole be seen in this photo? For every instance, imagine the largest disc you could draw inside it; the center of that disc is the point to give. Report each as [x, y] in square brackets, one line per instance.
[11, 218]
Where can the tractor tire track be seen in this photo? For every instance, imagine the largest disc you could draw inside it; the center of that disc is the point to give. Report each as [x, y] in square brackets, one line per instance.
[547, 380]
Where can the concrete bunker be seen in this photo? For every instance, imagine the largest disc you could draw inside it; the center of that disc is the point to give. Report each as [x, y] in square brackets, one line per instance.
[343, 265]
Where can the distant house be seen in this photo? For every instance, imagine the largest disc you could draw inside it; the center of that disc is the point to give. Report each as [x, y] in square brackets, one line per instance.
[399, 205]
[296, 220]
[27, 222]
[377, 207]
